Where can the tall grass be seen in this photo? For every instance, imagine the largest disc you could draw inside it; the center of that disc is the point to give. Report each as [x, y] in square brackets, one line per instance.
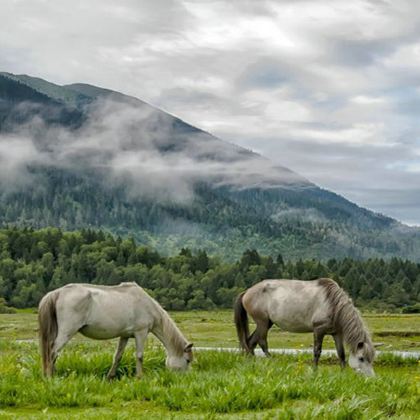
[218, 383]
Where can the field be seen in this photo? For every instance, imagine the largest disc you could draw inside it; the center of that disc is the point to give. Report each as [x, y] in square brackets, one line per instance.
[219, 385]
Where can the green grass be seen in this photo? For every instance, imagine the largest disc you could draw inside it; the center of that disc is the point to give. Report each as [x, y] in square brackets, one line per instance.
[219, 385]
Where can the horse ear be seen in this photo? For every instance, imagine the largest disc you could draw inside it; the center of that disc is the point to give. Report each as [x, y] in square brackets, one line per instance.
[188, 347]
[360, 345]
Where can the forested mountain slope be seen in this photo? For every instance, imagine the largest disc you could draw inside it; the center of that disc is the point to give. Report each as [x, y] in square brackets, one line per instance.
[81, 156]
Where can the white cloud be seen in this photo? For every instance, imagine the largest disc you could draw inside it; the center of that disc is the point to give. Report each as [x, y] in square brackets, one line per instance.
[127, 145]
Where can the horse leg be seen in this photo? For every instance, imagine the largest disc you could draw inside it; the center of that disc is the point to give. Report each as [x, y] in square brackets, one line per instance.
[265, 327]
[338, 340]
[70, 318]
[259, 336]
[69, 324]
[318, 338]
[117, 357]
[252, 342]
[140, 338]
[63, 337]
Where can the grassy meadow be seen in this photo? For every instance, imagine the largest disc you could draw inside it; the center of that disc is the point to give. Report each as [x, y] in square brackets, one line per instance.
[219, 385]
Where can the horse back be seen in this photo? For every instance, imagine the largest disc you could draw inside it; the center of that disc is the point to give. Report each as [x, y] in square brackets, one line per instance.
[107, 311]
[293, 305]
[120, 298]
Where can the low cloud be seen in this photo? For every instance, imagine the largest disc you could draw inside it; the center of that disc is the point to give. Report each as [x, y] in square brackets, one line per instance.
[147, 152]
[16, 155]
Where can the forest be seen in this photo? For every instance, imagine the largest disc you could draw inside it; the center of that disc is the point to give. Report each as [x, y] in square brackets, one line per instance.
[303, 223]
[32, 262]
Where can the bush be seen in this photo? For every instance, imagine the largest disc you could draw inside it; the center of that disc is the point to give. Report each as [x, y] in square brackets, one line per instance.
[411, 309]
[4, 309]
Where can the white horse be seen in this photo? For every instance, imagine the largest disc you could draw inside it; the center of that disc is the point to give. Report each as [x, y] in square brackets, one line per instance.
[104, 312]
[318, 306]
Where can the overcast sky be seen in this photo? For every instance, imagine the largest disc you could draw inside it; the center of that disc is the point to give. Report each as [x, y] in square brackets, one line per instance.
[330, 89]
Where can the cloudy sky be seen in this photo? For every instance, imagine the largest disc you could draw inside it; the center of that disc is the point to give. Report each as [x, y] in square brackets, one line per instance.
[330, 89]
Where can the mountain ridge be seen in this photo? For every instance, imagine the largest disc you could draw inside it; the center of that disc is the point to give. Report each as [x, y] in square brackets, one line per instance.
[221, 196]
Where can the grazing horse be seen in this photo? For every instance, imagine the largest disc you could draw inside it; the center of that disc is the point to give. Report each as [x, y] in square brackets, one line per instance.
[104, 312]
[318, 306]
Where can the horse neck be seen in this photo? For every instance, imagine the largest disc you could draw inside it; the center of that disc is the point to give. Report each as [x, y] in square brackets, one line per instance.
[352, 326]
[169, 334]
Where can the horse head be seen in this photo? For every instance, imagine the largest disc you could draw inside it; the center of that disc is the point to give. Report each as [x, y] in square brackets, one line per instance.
[361, 358]
[181, 362]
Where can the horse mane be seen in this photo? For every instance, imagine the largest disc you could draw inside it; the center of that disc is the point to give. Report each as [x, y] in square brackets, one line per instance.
[173, 335]
[346, 317]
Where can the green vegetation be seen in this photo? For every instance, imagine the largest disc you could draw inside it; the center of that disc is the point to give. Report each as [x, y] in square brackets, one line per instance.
[4, 309]
[222, 221]
[33, 262]
[219, 385]
[411, 309]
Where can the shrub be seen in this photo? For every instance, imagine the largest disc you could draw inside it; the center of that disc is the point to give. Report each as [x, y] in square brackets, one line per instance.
[4, 309]
[411, 309]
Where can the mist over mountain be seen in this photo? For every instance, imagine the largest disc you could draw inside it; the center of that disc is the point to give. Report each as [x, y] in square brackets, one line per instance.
[81, 156]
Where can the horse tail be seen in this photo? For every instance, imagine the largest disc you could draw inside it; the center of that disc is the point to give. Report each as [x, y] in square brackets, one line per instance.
[241, 322]
[48, 330]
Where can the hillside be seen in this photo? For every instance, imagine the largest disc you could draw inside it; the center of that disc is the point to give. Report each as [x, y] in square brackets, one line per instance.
[78, 155]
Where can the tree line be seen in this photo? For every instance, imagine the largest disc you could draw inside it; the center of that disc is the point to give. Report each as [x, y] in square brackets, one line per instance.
[32, 262]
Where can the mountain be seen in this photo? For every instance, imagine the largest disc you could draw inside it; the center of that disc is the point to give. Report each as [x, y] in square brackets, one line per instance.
[82, 156]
